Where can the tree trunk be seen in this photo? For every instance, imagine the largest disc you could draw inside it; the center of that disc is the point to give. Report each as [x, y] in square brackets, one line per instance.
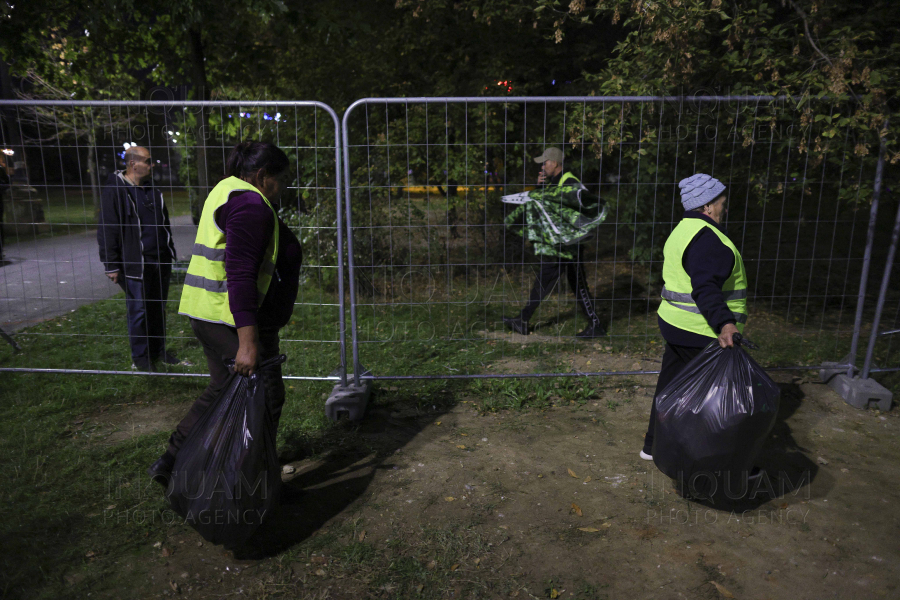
[198, 81]
[92, 170]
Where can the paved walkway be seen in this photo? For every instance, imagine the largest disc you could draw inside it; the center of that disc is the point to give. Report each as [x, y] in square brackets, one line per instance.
[45, 278]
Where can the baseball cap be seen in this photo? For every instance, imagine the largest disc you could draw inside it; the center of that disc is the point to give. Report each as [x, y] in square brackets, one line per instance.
[554, 154]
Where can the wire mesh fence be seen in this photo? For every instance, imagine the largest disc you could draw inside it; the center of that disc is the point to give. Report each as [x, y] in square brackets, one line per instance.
[438, 258]
[61, 157]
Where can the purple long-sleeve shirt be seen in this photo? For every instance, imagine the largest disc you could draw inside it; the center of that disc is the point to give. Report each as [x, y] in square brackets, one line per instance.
[248, 223]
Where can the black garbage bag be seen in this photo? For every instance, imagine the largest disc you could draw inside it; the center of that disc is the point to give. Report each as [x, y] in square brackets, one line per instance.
[226, 477]
[712, 420]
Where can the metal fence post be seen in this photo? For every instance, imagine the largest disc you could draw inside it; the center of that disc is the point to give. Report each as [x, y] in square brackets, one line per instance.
[885, 280]
[867, 256]
[348, 399]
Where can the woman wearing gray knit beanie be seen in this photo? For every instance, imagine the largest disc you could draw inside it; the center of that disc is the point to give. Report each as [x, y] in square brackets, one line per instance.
[705, 285]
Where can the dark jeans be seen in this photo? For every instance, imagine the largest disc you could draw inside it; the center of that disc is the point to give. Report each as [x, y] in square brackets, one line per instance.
[145, 305]
[675, 358]
[220, 343]
[551, 270]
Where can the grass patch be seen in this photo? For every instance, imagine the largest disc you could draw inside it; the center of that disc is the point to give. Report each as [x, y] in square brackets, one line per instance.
[81, 510]
[69, 210]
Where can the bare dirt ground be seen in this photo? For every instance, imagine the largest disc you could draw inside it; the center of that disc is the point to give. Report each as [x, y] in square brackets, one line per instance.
[440, 500]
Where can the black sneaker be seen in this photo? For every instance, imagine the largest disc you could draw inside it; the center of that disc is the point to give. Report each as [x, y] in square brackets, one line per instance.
[161, 470]
[517, 324]
[170, 359]
[594, 330]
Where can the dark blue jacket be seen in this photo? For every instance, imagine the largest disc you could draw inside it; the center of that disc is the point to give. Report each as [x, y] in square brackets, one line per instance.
[709, 263]
[119, 230]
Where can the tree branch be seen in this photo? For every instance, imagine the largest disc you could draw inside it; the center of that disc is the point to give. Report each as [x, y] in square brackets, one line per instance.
[808, 35]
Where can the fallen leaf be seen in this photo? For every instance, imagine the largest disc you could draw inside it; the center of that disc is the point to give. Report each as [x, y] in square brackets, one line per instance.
[110, 507]
[588, 479]
[362, 535]
[320, 572]
[461, 447]
[477, 561]
[783, 505]
[157, 545]
[722, 589]
[606, 525]
[431, 565]
[577, 510]
[288, 469]
[464, 434]
[540, 476]
[419, 588]
[449, 498]
[572, 473]
[174, 586]
[166, 552]
[821, 461]
[504, 526]
[318, 560]
[454, 567]
[589, 529]
[90, 554]
[554, 593]
[845, 470]
[437, 422]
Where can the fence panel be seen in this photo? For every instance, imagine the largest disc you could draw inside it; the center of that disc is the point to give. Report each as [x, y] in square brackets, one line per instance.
[53, 288]
[435, 268]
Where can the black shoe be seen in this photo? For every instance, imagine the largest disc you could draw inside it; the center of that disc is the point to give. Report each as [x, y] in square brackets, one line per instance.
[594, 330]
[170, 359]
[161, 470]
[517, 324]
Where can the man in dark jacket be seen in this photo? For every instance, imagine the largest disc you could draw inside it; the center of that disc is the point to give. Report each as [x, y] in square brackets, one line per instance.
[136, 248]
[558, 220]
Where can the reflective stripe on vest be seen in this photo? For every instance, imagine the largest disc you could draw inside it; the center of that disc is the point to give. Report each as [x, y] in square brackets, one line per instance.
[205, 293]
[678, 307]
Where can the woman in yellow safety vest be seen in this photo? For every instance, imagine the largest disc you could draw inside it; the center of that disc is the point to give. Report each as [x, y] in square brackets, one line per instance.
[704, 294]
[241, 283]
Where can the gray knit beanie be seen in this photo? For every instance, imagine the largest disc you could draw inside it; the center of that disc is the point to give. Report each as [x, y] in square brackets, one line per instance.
[699, 189]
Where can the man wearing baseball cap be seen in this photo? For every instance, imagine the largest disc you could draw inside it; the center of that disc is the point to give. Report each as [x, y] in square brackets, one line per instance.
[705, 285]
[566, 216]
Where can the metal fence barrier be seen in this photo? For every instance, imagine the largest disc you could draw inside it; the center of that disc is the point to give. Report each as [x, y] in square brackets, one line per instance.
[434, 268]
[60, 156]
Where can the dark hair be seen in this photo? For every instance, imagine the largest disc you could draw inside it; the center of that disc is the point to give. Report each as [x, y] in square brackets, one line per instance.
[249, 157]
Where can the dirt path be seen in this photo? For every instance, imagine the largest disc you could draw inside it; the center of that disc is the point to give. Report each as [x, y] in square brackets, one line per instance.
[426, 501]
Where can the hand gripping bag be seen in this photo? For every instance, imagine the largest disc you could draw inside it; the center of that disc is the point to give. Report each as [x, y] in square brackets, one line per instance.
[226, 477]
[712, 420]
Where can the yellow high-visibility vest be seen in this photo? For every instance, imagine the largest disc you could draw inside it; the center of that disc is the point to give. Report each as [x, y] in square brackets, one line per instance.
[205, 293]
[678, 307]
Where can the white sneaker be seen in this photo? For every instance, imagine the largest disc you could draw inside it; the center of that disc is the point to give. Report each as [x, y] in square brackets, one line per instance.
[646, 456]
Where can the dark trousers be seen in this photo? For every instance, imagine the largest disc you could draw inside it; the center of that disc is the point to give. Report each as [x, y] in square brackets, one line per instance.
[145, 305]
[552, 268]
[675, 359]
[220, 343]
